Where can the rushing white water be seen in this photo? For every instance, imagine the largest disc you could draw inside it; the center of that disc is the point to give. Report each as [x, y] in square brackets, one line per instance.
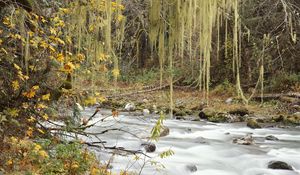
[205, 145]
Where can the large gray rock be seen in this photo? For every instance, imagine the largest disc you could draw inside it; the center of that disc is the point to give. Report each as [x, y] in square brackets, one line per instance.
[191, 168]
[279, 165]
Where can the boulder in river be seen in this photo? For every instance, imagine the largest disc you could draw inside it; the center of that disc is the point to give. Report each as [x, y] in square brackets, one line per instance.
[271, 137]
[130, 107]
[146, 112]
[246, 140]
[165, 131]
[191, 168]
[252, 123]
[279, 165]
[149, 147]
[202, 115]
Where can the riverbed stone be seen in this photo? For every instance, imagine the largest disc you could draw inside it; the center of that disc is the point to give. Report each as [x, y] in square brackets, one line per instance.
[191, 168]
[130, 107]
[252, 123]
[246, 140]
[149, 147]
[279, 165]
[146, 112]
[271, 137]
[202, 115]
[165, 131]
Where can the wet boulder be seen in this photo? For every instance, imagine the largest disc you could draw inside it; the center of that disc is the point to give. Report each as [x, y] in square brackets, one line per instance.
[146, 112]
[252, 123]
[208, 112]
[149, 147]
[202, 115]
[164, 132]
[246, 140]
[279, 165]
[179, 118]
[191, 168]
[130, 107]
[271, 137]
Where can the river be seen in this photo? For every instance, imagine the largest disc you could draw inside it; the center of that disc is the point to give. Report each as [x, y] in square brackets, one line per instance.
[204, 145]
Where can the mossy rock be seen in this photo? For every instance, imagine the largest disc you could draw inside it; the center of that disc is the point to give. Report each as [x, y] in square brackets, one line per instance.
[252, 123]
[209, 112]
[240, 111]
[279, 118]
[189, 112]
[218, 118]
[292, 119]
[179, 112]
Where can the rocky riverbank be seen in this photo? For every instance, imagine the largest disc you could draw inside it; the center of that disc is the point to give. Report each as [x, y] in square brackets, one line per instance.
[221, 109]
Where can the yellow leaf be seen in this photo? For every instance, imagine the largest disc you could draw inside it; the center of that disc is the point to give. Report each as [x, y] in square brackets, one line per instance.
[41, 106]
[64, 10]
[43, 154]
[45, 117]
[46, 97]
[13, 112]
[74, 165]
[7, 22]
[80, 57]
[1, 41]
[102, 57]
[90, 101]
[41, 131]
[60, 41]
[60, 57]
[43, 44]
[29, 132]
[43, 19]
[116, 73]
[120, 18]
[95, 171]
[3, 50]
[17, 67]
[30, 33]
[29, 94]
[52, 49]
[37, 147]
[25, 105]
[31, 119]
[9, 162]
[69, 67]
[15, 85]
[35, 87]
